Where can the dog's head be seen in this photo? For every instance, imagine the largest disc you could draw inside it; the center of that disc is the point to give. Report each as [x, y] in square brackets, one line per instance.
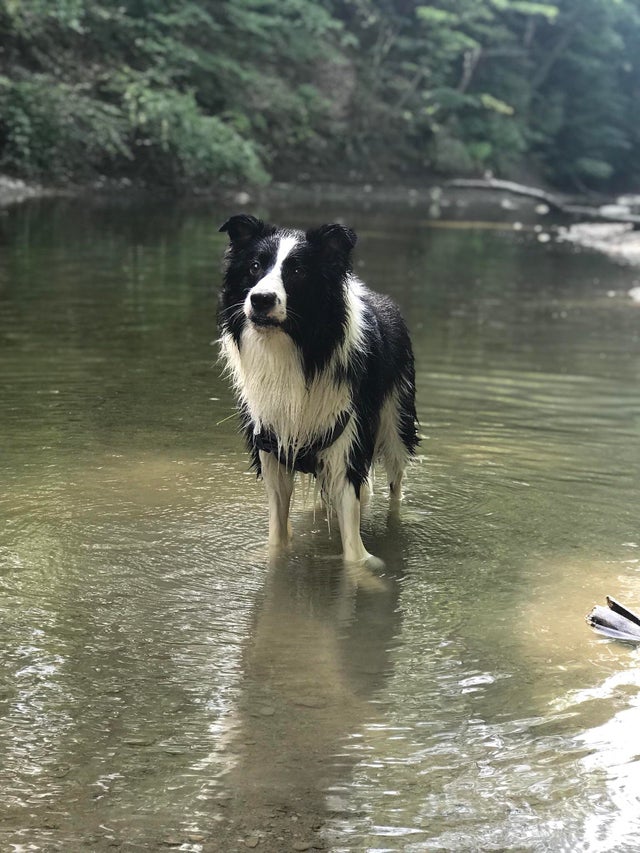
[284, 280]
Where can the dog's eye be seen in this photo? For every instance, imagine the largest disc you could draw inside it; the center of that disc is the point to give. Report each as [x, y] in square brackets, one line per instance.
[298, 272]
[254, 267]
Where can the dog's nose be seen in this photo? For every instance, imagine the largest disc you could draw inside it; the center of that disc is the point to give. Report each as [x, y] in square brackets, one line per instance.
[261, 301]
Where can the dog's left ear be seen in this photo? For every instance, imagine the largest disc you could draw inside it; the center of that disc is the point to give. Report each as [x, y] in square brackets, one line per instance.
[333, 240]
[242, 228]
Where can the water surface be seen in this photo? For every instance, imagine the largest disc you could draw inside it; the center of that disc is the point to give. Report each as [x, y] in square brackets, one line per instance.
[164, 684]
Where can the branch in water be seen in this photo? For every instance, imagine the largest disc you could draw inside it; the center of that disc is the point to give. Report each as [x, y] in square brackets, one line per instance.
[579, 211]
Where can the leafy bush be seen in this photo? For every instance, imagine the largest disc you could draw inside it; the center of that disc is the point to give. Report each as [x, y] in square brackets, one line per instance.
[56, 129]
[176, 143]
[201, 91]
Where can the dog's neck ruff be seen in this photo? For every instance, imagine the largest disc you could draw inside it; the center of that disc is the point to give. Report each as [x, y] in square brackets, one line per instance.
[305, 459]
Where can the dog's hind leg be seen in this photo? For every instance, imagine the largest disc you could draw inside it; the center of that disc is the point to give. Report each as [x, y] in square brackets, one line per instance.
[279, 485]
[390, 446]
[397, 437]
[395, 486]
[395, 460]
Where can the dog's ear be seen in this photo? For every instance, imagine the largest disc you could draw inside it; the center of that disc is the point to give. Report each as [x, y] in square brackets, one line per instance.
[242, 228]
[333, 240]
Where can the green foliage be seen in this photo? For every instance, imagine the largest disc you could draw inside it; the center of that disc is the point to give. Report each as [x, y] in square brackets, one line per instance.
[525, 8]
[584, 112]
[54, 128]
[185, 92]
[167, 91]
[177, 144]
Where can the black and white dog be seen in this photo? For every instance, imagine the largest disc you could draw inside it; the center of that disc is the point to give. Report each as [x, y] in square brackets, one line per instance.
[322, 368]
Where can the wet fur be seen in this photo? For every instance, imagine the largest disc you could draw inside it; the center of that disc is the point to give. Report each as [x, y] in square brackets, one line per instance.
[328, 344]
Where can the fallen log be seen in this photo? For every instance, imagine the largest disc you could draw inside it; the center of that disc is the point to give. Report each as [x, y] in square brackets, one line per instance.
[615, 621]
[553, 202]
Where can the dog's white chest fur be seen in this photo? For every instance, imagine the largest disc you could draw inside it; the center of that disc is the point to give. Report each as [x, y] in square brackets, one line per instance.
[268, 376]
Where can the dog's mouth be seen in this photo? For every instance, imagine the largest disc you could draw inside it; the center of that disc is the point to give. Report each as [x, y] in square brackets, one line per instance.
[264, 321]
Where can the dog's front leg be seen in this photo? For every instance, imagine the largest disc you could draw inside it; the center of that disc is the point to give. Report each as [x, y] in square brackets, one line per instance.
[348, 511]
[279, 484]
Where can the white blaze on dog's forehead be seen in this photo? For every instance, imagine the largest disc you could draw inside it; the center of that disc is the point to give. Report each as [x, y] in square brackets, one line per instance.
[272, 281]
[285, 247]
[273, 278]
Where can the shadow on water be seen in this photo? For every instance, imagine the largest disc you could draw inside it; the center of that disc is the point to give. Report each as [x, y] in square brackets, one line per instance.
[319, 654]
[166, 684]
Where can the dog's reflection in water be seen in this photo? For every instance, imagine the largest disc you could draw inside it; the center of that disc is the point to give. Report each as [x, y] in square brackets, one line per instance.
[319, 652]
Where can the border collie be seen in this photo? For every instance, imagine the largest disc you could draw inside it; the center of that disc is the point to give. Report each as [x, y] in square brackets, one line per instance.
[322, 368]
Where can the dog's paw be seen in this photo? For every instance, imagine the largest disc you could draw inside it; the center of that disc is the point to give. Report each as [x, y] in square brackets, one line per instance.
[367, 560]
[374, 564]
[365, 575]
[279, 546]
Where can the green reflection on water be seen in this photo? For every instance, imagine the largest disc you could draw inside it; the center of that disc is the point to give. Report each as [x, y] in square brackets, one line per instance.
[162, 682]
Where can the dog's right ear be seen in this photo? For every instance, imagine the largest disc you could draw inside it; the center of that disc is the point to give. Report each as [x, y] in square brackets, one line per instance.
[243, 228]
[333, 239]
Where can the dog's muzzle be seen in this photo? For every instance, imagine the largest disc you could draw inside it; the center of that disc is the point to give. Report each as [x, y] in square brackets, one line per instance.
[265, 308]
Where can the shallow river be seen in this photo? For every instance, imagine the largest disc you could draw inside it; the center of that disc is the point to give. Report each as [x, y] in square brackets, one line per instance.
[162, 684]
